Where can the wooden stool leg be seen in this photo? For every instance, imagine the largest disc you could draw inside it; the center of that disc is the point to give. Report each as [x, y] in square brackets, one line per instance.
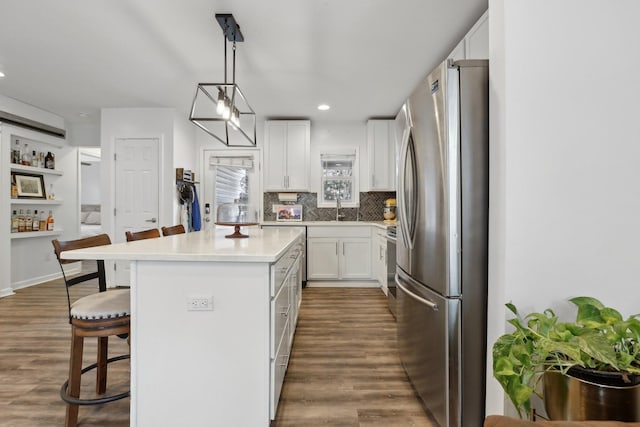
[101, 374]
[75, 368]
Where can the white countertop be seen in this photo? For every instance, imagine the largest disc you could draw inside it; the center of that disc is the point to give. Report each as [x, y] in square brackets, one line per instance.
[210, 245]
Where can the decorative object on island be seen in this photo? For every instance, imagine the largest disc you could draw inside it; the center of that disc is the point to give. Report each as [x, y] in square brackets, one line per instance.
[590, 368]
[217, 107]
[236, 215]
[29, 186]
[289, 212]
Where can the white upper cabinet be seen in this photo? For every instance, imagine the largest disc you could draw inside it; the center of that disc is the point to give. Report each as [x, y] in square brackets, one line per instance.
[477, 39]
[475, 44]
[286, 155]
[382, 154]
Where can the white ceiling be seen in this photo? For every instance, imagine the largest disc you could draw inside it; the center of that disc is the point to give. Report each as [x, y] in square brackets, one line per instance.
[363, 57]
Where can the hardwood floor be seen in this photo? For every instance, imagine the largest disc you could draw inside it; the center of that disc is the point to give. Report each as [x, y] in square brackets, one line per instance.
[344, 368]
[34, 356]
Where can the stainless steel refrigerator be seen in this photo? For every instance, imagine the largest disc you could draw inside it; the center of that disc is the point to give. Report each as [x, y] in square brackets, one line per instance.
[441, 278]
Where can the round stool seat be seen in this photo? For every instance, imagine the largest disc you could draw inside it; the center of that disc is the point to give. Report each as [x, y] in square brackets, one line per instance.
[102, 305]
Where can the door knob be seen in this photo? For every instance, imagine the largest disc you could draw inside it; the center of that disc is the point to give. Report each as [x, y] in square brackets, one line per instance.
[151, 220]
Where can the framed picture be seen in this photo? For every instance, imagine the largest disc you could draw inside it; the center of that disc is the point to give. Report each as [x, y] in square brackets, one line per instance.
[29, 186]
[289, 212]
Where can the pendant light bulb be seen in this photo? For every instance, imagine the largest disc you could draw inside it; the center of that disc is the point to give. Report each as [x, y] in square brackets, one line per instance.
[220, 103]
[226, 113]
[235, 116]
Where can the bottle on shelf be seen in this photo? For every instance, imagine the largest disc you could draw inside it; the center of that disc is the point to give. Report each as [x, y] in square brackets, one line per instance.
[51, 195]
[34, 159]
[14, 222]
[35, 223]
[50, 222]
[42, 222]
[16, 152]
[28, 221]
[26, 156]
[49, 161]
[14, 188]
[21, 222]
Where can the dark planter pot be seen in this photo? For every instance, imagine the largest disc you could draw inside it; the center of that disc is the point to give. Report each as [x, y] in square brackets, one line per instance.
[584, 394]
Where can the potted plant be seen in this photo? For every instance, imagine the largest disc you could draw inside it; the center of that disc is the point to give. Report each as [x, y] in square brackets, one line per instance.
[599, 349]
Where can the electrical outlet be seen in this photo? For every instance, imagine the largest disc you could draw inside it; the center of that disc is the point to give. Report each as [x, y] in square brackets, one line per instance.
[200, 304]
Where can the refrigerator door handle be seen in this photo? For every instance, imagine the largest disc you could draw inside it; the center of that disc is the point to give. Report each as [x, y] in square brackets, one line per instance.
[404, 218]
[421, 300]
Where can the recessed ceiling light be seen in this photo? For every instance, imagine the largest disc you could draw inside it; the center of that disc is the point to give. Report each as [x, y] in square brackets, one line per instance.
[324, 107]
[1, 74]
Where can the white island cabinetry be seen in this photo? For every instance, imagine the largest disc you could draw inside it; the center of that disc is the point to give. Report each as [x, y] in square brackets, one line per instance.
[222, 364]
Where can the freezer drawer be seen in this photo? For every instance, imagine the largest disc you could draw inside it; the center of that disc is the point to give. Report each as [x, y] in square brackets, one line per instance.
[428, 336]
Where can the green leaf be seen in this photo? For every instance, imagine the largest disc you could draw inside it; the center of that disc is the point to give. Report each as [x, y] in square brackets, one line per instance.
[610, 315]
[580, 301]
[589, 316]
[520, 394]
[503, 367]
[598, 347]
[512, 308]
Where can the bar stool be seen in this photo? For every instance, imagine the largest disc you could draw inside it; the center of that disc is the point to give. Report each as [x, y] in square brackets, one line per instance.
[174, 229]
[152, 233]
[101, 315]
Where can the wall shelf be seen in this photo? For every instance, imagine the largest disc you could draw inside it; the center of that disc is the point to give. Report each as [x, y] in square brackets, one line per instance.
[31, 234]
[35, 202]
[30, 169]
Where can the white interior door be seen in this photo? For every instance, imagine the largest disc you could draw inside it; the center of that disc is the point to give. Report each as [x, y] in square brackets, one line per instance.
[222, 170]
[136, 191]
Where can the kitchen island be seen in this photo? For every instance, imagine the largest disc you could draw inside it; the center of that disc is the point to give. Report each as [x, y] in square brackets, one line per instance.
[212, 323]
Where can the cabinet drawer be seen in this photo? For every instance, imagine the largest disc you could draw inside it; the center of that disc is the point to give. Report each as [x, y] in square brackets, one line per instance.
[280, 312]
[280, 269]
[339, 232]
[278, 369]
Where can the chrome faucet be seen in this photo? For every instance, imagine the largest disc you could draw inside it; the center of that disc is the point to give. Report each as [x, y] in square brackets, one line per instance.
[339, 216]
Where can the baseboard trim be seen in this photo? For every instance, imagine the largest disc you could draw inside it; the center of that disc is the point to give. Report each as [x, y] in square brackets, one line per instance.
[6, 292]
[342, 284]
[71, 269]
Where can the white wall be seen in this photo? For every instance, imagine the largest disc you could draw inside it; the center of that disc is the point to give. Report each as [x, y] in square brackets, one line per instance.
[90, 184]
[565, 199]
[84, 134]
[184, 156]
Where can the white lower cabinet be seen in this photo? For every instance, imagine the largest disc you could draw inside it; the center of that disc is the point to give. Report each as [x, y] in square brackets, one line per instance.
[286, 294]
[339, 253]
[380, 260]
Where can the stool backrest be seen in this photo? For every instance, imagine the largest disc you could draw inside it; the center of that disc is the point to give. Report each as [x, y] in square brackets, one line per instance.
[87, 242]
[152, 233]
[174, 229]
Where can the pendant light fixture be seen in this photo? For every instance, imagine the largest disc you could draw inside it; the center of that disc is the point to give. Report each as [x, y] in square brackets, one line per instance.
[220, 109]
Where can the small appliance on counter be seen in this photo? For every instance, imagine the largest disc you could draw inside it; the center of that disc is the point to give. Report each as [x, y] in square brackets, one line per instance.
[236, 215]
[390, 211]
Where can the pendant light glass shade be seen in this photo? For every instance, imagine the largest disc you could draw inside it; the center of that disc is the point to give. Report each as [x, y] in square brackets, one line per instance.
[221, 109]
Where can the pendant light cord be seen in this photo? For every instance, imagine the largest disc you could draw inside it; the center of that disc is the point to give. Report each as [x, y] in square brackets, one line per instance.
[234, 62]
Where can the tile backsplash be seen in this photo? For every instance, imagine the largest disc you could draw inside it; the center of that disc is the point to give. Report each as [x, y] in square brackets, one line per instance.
[371, 207]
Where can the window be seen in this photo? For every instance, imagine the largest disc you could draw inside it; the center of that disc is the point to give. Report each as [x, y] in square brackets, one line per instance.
[231, 179]
[339, 180]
